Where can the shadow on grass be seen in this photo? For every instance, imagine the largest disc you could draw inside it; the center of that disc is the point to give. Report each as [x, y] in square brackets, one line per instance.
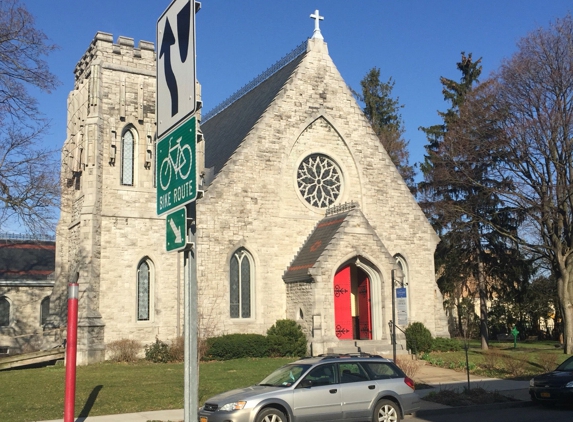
[89, 404]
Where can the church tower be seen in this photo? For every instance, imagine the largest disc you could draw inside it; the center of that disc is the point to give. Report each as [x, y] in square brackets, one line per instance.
[109, 237]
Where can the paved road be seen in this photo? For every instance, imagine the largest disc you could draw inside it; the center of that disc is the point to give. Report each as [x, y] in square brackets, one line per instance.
[520, 414]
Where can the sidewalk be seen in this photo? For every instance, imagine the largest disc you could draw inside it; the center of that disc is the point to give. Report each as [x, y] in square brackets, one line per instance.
[448, 379]
[437, 378]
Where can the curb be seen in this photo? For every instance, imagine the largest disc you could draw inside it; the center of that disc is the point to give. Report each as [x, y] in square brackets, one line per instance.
[472, 408]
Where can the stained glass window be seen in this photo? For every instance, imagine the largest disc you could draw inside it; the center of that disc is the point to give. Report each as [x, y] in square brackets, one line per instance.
[319, 180]
[4, 312]
[143, 292]
[127, 148]
[240, 284]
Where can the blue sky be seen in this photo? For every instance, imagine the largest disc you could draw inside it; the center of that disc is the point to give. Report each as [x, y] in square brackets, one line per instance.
[413, 41]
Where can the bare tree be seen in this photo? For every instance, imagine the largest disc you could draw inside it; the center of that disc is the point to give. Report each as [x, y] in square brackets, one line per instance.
[29, 182]
[533, 94]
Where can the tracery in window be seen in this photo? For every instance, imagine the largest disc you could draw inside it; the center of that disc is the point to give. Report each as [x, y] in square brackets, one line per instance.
[241, 284]
[127, 155]
[319, 180]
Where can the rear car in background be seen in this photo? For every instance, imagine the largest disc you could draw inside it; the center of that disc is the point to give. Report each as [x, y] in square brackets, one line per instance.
[331, 388]
[553, 387]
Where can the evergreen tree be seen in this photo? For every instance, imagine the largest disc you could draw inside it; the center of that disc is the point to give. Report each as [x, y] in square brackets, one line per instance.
[459, 198]
[382, 111]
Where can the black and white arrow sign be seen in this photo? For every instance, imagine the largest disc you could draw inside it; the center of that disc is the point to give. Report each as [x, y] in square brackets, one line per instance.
[175, 65]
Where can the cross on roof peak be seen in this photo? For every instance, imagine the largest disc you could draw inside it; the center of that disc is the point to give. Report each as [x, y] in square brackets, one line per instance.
[317, 18]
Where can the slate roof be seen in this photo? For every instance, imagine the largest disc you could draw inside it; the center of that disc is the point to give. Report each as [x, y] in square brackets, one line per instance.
[225, 131]
[313, 248]
[27, 260]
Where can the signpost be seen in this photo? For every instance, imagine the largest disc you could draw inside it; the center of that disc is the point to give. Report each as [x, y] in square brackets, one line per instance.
[176, 165]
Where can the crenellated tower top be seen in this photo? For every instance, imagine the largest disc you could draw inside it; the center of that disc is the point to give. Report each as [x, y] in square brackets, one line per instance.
[102, 47]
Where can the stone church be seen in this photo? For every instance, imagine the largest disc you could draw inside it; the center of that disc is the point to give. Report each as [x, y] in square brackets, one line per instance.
[302, 214]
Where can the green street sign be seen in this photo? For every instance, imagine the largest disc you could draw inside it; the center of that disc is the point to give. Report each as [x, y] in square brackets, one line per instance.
[176, 230]
[177, 167]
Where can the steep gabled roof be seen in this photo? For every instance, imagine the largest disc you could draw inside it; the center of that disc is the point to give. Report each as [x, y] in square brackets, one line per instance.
[313, 248]
[225, 131]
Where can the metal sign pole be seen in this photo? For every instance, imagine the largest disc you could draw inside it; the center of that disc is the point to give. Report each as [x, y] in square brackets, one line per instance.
[191, 366]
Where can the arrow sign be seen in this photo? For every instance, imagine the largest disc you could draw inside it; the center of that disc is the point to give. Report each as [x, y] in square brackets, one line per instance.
[176, 228]
[176, 97]
[165, 53]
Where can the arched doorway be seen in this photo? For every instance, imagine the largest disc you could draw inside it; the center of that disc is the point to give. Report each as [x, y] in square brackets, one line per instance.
[352, 304]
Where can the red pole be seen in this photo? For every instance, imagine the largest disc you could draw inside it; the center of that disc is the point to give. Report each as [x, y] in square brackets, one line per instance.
[71, 351]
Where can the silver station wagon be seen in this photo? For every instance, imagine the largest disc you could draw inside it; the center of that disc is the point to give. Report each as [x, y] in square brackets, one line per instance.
[326, 388]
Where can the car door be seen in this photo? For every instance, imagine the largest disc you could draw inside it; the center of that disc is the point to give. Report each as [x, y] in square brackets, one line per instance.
[317, 397]
[357, 391]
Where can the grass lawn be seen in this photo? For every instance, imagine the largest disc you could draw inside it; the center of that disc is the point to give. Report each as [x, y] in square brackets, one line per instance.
[502, 360]
[110, 388]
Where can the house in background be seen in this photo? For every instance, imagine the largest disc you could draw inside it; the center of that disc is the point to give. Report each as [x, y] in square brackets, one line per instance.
[26, 283]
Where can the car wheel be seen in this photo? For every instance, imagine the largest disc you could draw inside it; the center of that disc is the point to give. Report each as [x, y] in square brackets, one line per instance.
[386, 411]
[271, 415]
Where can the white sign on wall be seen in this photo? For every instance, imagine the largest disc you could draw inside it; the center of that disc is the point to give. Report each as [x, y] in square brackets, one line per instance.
[402, 306]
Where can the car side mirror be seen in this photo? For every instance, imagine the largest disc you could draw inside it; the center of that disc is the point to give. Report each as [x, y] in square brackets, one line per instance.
[305, 384]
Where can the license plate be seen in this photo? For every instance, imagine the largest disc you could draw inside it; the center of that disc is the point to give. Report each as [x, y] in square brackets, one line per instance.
[203, 419]
[543, 394]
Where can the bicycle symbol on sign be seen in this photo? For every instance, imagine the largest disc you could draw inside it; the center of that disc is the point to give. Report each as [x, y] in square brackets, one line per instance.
[178, 160]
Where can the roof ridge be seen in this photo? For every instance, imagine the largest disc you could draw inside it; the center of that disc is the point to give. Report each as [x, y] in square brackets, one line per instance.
[297, 51]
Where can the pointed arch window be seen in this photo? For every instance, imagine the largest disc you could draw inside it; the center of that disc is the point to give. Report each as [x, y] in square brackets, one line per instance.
[127, 157]
[44, 310]
[241, 284]
[4, 312]
[144, 283]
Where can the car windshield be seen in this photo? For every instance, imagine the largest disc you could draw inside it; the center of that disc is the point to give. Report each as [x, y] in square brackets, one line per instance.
[285, 376]
[566, 366]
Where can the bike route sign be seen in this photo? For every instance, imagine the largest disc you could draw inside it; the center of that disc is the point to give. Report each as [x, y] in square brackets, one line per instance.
[177, 167]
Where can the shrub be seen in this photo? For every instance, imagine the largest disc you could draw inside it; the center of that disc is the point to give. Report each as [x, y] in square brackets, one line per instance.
[157, 352]
[234, 346]
[440, 344]
[491, 360]
[418, 338]
[286, 338]
[177, 350]
[547, 361]
[513, 366]
[123, 350]
[408, 365]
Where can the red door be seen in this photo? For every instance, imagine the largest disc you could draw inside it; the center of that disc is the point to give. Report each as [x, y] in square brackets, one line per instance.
[342, 308]
[364, 312]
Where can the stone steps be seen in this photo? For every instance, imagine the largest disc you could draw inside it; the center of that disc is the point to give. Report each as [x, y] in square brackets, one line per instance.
[374, 347]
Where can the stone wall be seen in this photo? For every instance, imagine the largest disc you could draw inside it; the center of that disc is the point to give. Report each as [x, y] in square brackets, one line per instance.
[25, 332]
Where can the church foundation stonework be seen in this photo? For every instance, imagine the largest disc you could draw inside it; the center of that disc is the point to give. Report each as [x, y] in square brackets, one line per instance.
[302, 213]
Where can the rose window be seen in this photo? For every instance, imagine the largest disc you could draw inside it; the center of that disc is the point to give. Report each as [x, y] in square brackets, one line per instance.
[319, 180]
